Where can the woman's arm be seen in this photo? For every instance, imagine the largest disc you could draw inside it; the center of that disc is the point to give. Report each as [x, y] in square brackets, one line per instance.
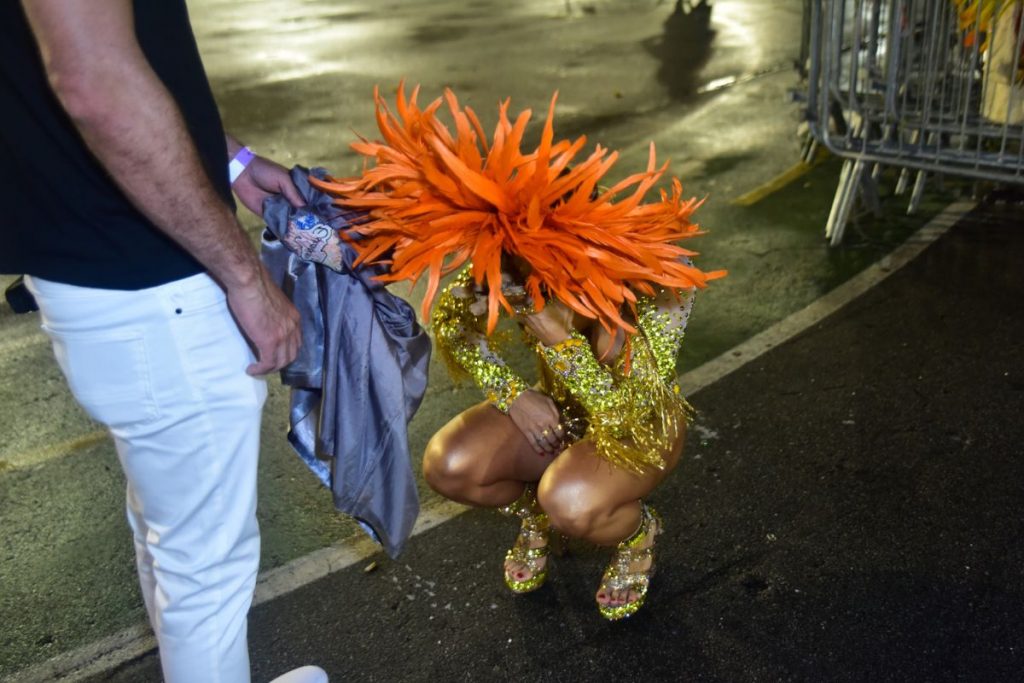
[463, 344]
[459, 331]
[661, 319]
[635, 418]
[590, 382]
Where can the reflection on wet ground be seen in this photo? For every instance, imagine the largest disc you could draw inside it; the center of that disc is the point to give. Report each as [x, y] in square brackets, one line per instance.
[683, 48]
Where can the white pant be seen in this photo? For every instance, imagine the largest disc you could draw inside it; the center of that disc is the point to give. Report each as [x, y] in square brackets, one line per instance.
[164, 369]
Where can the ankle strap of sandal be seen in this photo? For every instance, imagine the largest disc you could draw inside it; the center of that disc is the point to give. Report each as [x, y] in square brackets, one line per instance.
[647, 516]
[524, 506]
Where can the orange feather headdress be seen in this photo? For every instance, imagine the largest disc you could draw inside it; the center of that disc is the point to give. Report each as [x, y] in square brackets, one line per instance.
[437, 199]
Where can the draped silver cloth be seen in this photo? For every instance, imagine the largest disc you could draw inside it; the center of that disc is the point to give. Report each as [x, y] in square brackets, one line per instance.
[359, 376]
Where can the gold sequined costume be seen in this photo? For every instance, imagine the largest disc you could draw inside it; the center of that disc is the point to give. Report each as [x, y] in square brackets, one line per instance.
[631, 408]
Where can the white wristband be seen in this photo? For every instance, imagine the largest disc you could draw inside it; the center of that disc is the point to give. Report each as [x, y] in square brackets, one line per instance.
[238, 163]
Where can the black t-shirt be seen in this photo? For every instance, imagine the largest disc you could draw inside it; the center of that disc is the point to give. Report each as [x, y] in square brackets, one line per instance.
[62, 218]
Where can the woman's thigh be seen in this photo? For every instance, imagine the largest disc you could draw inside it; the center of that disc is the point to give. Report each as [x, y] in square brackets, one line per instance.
[485, 445]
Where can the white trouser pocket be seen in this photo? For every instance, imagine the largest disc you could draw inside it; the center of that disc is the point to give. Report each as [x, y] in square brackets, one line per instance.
[108, 373]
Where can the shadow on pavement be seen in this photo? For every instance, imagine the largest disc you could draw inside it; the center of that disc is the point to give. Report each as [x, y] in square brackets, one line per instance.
[683, 49]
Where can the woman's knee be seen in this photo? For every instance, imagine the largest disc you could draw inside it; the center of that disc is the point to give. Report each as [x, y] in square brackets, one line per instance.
[446, 466]
[575, 510]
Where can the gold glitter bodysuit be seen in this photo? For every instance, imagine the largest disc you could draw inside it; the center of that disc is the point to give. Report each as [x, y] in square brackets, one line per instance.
[632, 408]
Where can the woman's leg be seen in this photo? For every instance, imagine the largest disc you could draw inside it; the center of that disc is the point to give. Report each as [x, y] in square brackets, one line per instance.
[481, 458]
[586, 497]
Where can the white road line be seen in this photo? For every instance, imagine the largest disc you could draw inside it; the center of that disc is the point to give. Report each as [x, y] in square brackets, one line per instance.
[107, 653]
[826, 305]
[115, 650]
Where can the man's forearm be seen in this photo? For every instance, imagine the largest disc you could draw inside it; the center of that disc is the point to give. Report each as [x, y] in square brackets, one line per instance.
[163, 177]
[131, 123]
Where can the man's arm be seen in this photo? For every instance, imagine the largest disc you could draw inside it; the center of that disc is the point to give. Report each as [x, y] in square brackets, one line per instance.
[132, 124]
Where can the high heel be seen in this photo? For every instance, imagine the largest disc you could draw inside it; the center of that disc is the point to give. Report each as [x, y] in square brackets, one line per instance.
[527, 551]
[620, 575]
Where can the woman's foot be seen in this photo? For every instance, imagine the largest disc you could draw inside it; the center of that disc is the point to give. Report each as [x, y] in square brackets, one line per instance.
[526, 561]
[624, 585]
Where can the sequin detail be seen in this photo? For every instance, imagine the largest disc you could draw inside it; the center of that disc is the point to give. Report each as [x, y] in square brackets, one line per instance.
[633, 410]
[634, 416]
[620, 575]
[464, 347]
[665, 330]
[535, 530]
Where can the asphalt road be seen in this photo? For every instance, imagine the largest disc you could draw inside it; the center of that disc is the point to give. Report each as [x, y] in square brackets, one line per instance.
[848, 510]
[294, 80]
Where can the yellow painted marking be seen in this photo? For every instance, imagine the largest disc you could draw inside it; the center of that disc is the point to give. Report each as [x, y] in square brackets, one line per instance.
[51, 451]
[794, 172]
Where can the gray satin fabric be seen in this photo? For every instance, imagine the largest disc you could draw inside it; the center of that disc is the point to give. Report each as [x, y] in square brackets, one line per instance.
[359, 376]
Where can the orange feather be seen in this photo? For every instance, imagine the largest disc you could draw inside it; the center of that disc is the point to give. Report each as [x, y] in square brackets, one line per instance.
[439, 196]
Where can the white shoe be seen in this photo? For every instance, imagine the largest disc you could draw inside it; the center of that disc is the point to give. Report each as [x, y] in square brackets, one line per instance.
[304, 674]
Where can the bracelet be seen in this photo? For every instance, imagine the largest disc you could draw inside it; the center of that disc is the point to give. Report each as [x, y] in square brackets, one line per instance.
[238, 163]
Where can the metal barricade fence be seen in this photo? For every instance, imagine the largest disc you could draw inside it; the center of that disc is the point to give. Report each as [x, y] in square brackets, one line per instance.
[935, 86]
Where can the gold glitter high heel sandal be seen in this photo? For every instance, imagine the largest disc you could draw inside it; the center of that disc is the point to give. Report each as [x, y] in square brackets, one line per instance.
[531, 547]
[622, 577]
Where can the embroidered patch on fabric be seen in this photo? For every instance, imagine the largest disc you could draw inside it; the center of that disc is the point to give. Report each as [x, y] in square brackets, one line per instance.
[307, 221]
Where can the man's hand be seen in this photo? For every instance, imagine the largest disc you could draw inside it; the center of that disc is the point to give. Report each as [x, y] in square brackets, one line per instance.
[261, 179]
[269, 321]
[537, 417]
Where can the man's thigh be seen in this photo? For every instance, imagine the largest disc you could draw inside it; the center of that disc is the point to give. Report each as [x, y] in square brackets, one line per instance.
[136, 359]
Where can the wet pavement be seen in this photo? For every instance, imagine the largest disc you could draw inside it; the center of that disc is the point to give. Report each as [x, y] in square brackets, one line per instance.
[847, 510]
[294, 80]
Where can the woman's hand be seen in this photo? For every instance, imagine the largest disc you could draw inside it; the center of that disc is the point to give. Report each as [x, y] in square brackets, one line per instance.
[550, 326]
[537, 417]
